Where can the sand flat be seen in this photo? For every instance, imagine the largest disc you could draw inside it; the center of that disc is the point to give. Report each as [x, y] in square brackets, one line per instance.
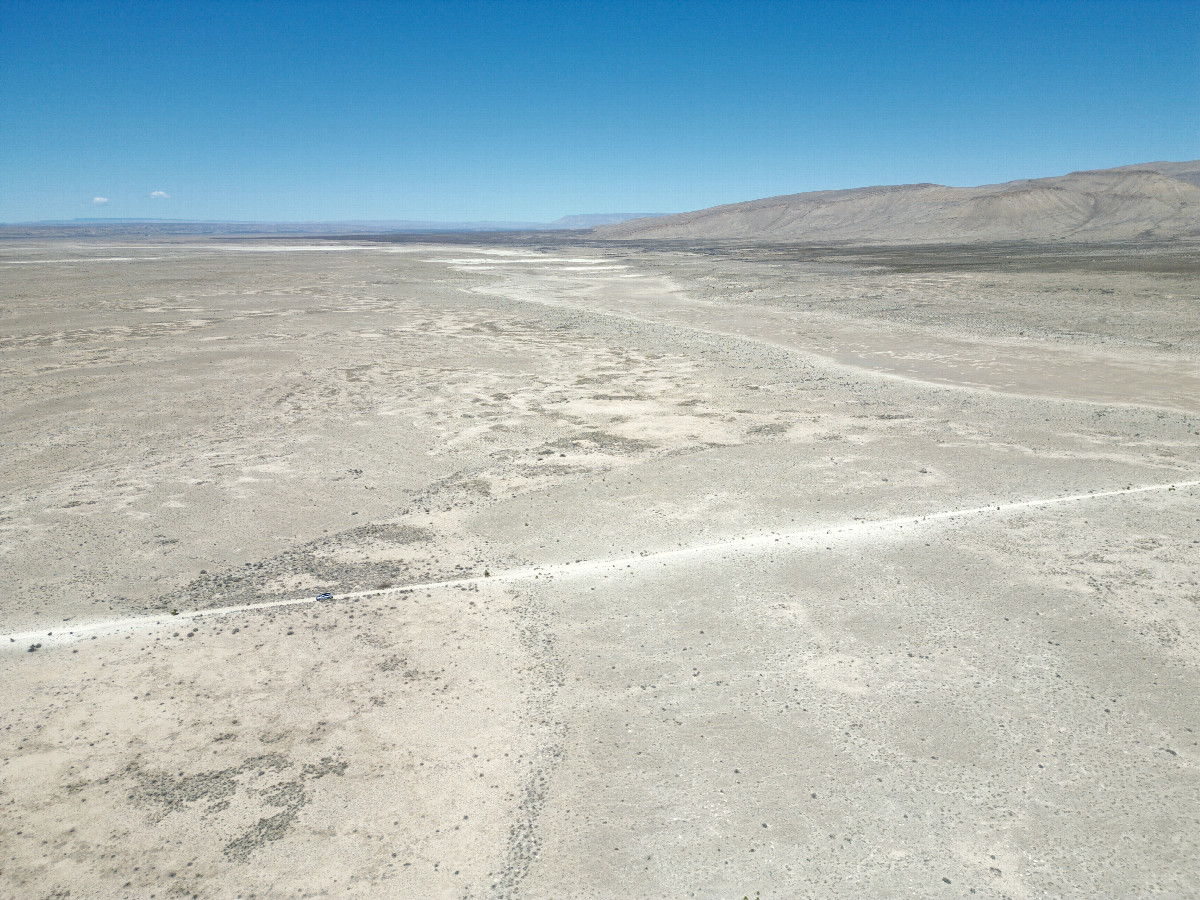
[810, 573]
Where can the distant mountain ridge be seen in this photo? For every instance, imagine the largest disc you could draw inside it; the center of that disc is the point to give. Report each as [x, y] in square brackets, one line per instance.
[117, 225]
[594, 219]
[1145, 201]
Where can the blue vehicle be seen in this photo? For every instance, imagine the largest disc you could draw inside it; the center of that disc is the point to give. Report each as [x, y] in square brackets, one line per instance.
[325, 596]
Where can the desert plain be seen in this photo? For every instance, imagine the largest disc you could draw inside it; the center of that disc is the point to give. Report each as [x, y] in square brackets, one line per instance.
[658, 570]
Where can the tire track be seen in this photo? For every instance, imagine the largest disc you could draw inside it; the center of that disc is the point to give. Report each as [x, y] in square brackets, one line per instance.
[793, 539]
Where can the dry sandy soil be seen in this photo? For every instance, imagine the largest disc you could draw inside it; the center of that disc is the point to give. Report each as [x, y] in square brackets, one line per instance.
[726, 572]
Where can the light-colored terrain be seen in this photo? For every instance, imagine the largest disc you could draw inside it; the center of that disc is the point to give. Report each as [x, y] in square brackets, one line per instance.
[1151, 201]
[717, 573]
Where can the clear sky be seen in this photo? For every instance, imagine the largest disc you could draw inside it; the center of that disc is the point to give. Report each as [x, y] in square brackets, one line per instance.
[529, 111]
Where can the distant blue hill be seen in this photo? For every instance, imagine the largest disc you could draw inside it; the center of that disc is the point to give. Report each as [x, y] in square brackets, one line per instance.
[594, 219]
[211, 225]
[374, 226]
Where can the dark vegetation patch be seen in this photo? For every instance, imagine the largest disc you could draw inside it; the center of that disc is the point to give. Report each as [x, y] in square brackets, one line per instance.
[595, 439]
[270, 780]
[323, 561]
[769, 428]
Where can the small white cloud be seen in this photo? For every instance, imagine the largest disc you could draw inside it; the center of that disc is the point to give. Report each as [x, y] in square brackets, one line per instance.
[99, 201]
[160, 195]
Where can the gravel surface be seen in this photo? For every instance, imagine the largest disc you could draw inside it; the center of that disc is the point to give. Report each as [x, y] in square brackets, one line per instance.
[659, 571]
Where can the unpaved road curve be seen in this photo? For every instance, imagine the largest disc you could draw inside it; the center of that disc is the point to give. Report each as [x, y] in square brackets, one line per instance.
[1023, 367]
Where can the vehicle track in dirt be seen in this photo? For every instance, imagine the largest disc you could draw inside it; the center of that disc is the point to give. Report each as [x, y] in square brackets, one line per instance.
[798, 539]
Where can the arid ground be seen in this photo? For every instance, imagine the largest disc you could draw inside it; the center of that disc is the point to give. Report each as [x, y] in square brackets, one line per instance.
[658, 571]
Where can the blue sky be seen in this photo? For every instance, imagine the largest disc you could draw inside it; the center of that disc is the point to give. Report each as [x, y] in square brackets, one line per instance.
[530, 111]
